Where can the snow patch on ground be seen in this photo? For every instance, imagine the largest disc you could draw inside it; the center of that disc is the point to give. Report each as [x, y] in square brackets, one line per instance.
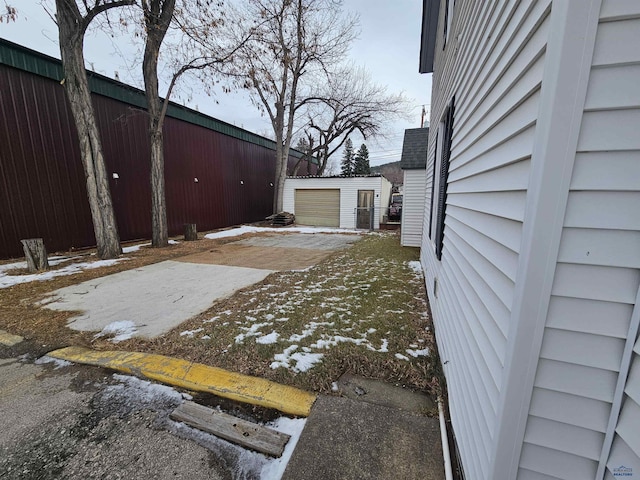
[57, 362]
[268, 339]
[134, 248]
[399, 356]
[303, 360]
[11, 280]
[234, 232]
[122, 330]
[252, 331]
[418, 353]
[416, 267]
[190, 333]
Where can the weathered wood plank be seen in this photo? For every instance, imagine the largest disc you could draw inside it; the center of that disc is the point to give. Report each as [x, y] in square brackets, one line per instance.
[233, 429]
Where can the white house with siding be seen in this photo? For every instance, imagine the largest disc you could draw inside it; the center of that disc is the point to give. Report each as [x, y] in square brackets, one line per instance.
[346, 202]
[531, 238]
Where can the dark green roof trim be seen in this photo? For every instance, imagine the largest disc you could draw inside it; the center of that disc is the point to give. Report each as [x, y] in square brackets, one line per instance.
[22, 58]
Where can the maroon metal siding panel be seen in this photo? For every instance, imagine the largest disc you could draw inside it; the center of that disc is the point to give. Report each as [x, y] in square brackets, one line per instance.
[123, 131]
[42, 189]
[42, 184]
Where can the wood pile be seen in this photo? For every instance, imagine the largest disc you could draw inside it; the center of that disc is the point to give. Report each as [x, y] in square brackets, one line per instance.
[283, 219]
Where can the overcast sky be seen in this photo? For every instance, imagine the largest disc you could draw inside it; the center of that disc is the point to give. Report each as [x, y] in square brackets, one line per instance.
[388, 46]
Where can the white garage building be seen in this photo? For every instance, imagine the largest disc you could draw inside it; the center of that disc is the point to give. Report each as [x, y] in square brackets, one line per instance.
[345, 202]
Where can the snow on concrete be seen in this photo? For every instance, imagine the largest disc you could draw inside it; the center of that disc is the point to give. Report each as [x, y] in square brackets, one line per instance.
[274, 468]
[121, 330]
[11, 280]
[235, 232]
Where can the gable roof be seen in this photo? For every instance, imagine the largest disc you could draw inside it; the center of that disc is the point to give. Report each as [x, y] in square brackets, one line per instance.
[414, 149]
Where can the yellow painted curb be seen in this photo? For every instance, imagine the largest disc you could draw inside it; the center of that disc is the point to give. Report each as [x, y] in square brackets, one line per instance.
[196, 377]
[8, 339]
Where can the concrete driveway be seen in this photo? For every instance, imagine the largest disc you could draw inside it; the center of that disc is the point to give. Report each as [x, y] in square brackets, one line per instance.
[150, 301]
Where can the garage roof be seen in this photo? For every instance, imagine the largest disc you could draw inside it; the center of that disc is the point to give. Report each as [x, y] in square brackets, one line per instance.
[414, 149]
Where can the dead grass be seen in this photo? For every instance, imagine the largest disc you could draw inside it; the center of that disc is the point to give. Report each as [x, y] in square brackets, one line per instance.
[360, 301]
[367, 303]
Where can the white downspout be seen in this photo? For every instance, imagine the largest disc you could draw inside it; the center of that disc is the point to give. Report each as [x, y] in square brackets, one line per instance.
[448, 473]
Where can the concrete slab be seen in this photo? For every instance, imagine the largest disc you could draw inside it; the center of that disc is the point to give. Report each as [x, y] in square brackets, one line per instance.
[382, 393]
[346, 439]
[317, 241]
[156, 298]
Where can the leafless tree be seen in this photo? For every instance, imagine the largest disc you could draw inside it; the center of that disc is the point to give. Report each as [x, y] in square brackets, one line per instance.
[197, 48]
[10, 14]
[296, 45]
[73, 20]
[350, 102]
[157, 18]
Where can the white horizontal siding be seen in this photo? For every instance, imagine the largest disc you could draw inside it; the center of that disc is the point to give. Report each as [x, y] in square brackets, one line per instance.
[566, 408]
[598, 272]
[413, 201]
[587, 316]
[493, 64]
[348, 195]
[555, 463]
[617, 43]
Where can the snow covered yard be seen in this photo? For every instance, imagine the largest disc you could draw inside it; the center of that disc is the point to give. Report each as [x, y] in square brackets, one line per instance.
[362, 310]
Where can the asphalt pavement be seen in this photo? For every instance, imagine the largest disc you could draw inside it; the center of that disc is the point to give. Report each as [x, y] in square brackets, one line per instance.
[79, 422]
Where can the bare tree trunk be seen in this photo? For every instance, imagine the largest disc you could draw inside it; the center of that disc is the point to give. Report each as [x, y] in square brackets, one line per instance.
[277, 183]
[158, 14]
[71, 27]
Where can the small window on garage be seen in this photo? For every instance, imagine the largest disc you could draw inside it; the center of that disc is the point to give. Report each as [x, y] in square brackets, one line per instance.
[443, 155]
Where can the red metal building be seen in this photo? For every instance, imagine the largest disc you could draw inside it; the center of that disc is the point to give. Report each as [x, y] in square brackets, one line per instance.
[216, 174]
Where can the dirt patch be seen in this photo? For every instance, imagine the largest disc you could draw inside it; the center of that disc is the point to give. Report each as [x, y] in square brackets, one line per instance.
[267, 258]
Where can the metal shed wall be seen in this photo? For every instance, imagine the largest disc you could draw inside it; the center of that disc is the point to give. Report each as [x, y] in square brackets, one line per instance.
[42, 185]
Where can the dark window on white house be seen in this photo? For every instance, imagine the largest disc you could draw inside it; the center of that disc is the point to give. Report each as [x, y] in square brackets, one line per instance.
[433, 183]
[443, 178]
[449, 6]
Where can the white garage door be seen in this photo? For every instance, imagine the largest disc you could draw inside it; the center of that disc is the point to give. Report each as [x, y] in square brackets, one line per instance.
[319, 207]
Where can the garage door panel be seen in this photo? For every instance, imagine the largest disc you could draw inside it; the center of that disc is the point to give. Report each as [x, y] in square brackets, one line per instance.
[319, 207]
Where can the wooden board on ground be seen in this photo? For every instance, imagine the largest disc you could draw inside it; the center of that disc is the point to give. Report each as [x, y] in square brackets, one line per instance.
[233, 429]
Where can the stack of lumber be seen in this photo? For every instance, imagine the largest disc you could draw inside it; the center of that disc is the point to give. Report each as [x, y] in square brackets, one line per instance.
[283, 219]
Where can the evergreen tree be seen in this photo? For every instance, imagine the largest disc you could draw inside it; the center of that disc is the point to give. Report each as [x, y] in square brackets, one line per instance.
[348, 159]
[362, 161]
